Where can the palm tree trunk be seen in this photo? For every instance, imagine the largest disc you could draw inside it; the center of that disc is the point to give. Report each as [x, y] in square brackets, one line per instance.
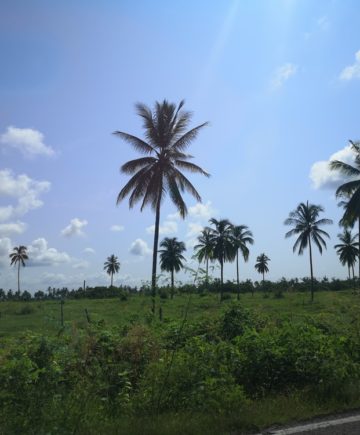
[359, 250]
[112, 274]
[311, 272]
[221, 279]
[155, 249]
[207, 273]
[237, 274]
[349, 272]
[263, 279]
[19, 277]
[172, 284]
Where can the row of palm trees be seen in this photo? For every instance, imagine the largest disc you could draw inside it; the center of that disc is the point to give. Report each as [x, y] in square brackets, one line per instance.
[158, 173]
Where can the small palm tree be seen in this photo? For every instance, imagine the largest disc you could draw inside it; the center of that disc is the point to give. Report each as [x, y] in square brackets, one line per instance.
[241, 236]
[171, 257]
[306, 226]
[223, 247]
[262, 265]
[347, 250]
[350, 190]
[159, 171]
[19, 256]
[112, 266]
[204, 249]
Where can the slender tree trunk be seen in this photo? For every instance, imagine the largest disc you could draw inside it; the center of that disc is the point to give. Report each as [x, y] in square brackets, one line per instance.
[359, 251]
[155, 249]
[207, 273]
[237, 274]
[349, 272]
[311, 272]
[221, 278]
[19, 277]
[112, 274]
[263, 279]
[172, 284]
[353, 275]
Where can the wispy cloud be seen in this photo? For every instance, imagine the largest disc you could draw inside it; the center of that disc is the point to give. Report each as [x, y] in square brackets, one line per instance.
[352, 71]
[168, 227]
[28, 141]
[140, 248]
[117, 228]
[282, 74]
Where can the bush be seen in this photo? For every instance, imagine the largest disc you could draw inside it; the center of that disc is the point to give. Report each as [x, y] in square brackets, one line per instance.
[26, 309]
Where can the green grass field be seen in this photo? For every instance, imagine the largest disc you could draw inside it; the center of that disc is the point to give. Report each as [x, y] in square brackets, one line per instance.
[44, 316]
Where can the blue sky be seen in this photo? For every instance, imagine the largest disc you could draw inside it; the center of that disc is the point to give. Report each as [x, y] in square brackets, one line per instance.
[278, 81]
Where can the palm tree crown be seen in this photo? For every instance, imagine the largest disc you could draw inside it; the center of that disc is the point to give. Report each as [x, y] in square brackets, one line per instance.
[171, 257]
[262, 265]
[18, 256]
[204, 249]
[223, 247]
[159, 171]
[112, 266]
[348, 249]
[241, 236]
[350, 190]
[306, 226]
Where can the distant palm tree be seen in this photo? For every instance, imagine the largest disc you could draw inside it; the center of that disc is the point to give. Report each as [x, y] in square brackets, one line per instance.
[223, 247]
[262, 265]
[112, 265]
[204, 249]
[19, 256]
[159, 171]
[350, 190]
[241, 236]
[347, 250]
[306, 226]
[171, 257]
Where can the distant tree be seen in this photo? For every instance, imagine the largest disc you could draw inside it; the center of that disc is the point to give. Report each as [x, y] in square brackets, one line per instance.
[262, 265]
[241, 236]
[39, 295]
[159, 171]
[223, 246]
[306, 226]
[347, 250]
[112, 265]
[18, 256]
[350, 190]
[171, 257]
[204, 249]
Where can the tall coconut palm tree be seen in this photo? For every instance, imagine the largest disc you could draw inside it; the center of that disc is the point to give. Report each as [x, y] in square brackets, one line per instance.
[112, 266]
[262, 265]
[241, 236]
[204, 249]
[306, 226]
[18, 256]
[223, 247]
[171, 257]
[350, 190]
[348, 249]
[159, 171]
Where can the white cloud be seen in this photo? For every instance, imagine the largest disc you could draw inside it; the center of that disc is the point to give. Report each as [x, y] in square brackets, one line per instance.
[282, 74]
[23, 189]
[194, 229]
[11, 228]
[352, 71]
[41, 255]
[82, 264]
[30, 142]
[174, 216]
[74, 228]
[89, 251]
[321, 175]
[168, 227]
[202, 211]
[117, 228]
[5, 249]
[140, 248]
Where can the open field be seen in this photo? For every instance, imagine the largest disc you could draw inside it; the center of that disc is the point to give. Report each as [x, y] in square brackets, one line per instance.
[234, 367]
[44, 316]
